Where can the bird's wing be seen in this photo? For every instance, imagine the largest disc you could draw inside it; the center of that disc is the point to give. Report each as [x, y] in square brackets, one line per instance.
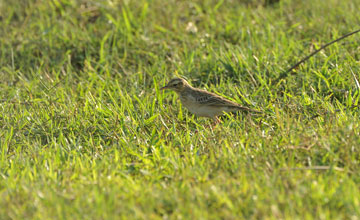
[211, 99]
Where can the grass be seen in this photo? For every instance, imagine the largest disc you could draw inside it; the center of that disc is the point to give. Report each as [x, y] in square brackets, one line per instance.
[86, 133]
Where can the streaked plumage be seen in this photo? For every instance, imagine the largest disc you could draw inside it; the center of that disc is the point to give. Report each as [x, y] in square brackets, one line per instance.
[201, 102]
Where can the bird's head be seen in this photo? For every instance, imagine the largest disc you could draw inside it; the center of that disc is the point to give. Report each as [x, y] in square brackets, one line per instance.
[176, 84]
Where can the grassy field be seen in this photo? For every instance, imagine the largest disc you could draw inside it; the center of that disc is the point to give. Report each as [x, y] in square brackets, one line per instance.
[85, 132]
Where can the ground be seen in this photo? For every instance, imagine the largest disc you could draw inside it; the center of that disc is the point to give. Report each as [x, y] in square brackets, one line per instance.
[85, 132]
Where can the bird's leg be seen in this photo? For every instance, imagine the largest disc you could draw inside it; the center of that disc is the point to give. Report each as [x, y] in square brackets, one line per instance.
[216, 121]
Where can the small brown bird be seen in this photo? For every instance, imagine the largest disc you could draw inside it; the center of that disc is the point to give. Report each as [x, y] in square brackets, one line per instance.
[203, 103]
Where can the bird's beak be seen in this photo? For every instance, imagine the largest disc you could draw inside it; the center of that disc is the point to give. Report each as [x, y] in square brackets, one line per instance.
[165, 87]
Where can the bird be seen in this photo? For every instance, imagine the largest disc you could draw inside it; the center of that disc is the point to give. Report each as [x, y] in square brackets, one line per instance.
[201, 102]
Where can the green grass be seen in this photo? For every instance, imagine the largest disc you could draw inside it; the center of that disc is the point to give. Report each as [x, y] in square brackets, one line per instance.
[85, 132]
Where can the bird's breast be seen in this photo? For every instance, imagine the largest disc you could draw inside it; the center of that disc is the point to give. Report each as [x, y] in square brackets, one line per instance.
[188, 101]
[198, 109]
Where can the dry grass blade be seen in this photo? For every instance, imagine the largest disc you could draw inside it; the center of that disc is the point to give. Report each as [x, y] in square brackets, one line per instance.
[286, 73]
[313, 168]
[355, 79]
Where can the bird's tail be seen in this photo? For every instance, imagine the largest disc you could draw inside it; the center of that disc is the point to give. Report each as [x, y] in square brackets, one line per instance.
[243, 108]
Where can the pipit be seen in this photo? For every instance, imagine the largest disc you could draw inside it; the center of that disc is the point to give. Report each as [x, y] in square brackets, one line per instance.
[203, 103]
